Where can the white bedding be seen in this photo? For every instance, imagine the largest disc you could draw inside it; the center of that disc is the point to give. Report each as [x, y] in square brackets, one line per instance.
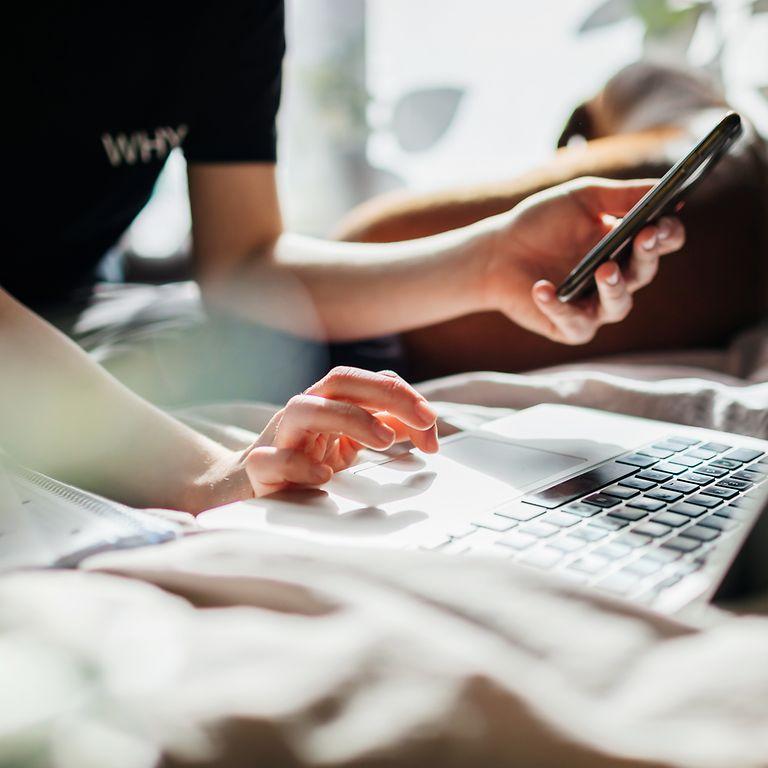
[246, 650]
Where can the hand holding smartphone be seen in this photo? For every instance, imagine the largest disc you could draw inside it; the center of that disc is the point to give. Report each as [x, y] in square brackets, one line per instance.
[664, 198]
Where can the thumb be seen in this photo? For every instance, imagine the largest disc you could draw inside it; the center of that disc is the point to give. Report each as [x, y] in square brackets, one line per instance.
[604, 196]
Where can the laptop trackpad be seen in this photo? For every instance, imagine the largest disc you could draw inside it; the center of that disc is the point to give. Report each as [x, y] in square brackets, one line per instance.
[513, 464]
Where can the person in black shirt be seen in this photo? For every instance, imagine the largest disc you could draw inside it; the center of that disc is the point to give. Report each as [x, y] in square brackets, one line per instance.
[107, 97]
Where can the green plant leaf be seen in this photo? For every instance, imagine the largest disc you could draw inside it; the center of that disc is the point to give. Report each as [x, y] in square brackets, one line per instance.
[662, 16]
[607, 13]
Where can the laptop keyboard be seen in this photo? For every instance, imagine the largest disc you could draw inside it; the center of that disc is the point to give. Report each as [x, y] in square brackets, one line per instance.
[633, 526]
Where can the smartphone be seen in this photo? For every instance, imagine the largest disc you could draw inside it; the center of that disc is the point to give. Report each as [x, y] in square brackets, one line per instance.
[666, 197]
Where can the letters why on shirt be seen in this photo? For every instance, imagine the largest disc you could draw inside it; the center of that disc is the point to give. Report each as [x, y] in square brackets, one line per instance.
[140, 146]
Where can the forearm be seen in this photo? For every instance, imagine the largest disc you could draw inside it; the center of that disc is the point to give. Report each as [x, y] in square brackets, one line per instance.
[64, 415]
[341, 291]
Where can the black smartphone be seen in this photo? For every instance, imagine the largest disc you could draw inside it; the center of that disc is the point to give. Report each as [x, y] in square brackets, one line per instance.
[664, 198]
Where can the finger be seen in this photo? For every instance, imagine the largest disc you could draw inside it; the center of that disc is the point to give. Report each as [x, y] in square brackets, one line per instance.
[600, 196]
[379, 391]
[671, 234]
[306, 415]
[652, 242]
[615, 299]
[424, 439]
[267, 435]
[317, 448]
[569, 323]
[269, 468]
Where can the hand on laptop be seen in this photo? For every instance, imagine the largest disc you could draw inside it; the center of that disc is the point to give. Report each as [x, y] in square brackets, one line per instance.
[544, 237]
[321, 431]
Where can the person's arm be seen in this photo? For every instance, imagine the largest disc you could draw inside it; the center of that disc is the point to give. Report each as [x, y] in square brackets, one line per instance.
[342, 291]
[62, 414]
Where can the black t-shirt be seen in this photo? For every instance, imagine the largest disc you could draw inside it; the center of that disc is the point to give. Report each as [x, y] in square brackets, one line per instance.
[99, 99]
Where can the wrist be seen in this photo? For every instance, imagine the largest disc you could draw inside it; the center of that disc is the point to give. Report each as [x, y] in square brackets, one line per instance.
[221, 480]
[491, 261]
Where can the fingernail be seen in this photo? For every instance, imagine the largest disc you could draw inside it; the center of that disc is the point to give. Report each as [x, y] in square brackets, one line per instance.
[665, 229]
[383, 432]
[650, 243]
[425, 412]
[543, 294]
[613, 278]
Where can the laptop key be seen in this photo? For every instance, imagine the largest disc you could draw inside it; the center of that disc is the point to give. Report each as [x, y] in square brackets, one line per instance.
[720, 492]
[569, 543]
[744, 454]
[634, 540]
[670, 468]
[637, 460]
[436, 541]
[654, 476]
[540, 529]
[621, 492]
[695, 477]
[609, 523]
[656, 452]
[670, 581]
[663, 556]
[716, 447]
[493, 522]
[748, 475]
[581, 509]
[572, 489]
[561, 519]
[590, 533]
[612, 551]
[590, 564]
[712, 471]
[700, 453]
[644, 566]
[720, 523]
[663, 494]
[689, 510]
[733, 512]
[637, 483]
[602, 500]
[517, 540]
[621, 583]
[687, 441]
[701, 533]
[680, 486]
[681, 544]
[655, 530]
[710, 502]
[629, 514]
[739, 485]
[726, 464]
[520, 512]
[546, 557]
[745, 502]
[670, 445]
[646, 504]
[686, 461]
[673, 519]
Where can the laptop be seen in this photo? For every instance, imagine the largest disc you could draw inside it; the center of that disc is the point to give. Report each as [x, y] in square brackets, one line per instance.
[667, 516]
[648, 511]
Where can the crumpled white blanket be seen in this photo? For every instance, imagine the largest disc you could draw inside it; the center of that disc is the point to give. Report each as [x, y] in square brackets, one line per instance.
[242, 649]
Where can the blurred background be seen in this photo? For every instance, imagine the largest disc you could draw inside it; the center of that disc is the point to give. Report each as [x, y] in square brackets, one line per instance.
[387, 94]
